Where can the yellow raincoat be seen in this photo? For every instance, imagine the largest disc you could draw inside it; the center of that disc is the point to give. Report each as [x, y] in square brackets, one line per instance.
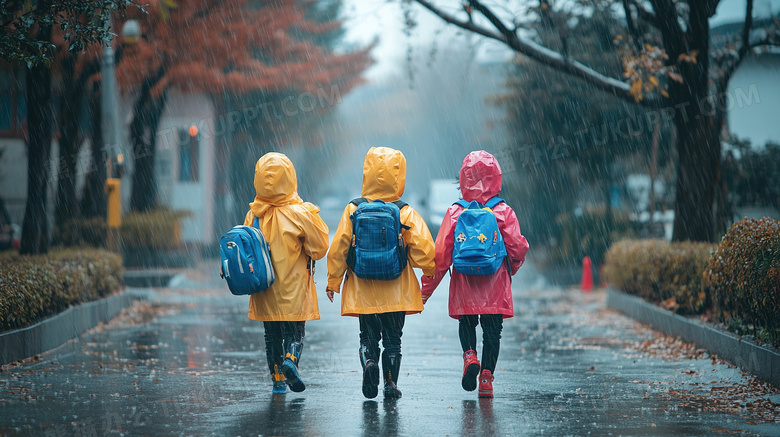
[384, 177]
[295, 233]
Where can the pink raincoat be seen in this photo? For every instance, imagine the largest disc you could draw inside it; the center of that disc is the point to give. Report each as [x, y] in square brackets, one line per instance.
[480, 180]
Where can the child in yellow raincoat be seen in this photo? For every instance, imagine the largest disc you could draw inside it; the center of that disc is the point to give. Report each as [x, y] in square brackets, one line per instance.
[381, 305]
[296, 236]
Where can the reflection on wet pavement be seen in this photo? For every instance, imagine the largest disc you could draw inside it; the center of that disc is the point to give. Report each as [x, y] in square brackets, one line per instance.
[191, 363]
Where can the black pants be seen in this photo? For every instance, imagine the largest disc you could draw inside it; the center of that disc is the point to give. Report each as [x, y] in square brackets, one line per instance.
[387, 327]
[278, 336]
[491, 336]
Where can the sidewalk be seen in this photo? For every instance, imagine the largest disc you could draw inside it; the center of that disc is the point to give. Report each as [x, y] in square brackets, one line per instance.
[190, 363]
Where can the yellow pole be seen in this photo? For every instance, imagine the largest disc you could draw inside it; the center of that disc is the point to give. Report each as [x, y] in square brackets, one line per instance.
[114, 194]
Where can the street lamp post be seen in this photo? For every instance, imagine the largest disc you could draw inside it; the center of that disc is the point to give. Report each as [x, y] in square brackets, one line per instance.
[109, 102]
[112, 135]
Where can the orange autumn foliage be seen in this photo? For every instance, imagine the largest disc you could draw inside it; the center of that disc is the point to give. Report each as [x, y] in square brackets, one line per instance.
[240, 46]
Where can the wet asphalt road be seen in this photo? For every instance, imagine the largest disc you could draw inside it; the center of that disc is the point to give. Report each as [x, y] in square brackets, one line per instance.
[191, 363]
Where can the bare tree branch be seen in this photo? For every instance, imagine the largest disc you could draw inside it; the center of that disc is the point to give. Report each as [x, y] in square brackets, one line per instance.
[468, 25]
[667, 22]
[632, 26]
[644, 13]
[729, 70]
[538, 52]
[710, 7]
[746, 29]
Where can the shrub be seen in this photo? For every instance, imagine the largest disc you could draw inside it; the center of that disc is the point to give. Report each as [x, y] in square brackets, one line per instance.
[35, 287]
[159, 229]
[585, 235]
[658, 271]
[743, 277]
[81, 232]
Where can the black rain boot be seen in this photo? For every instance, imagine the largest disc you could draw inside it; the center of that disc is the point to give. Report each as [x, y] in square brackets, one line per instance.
[391, 365]
[368, 361]
[290, 367]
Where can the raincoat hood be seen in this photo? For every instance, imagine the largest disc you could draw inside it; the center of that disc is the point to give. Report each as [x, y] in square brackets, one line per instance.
[480, 177]
[384, 174]
[276, 183]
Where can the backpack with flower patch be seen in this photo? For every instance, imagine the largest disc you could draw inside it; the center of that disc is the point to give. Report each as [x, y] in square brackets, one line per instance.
[479, 247]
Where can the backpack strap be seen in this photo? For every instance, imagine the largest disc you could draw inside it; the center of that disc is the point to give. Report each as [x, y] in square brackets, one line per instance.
[493, 202]
[256, 222]
[490, 203]
[400, 204]
[462, 203]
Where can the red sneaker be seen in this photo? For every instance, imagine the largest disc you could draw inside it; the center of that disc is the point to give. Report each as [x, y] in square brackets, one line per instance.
[470, 370]
[486, 384]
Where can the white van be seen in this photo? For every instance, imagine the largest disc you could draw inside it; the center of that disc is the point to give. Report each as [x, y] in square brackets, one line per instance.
[441, 195]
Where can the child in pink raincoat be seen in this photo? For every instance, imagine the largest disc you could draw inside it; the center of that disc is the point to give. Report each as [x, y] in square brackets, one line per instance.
[484, 300]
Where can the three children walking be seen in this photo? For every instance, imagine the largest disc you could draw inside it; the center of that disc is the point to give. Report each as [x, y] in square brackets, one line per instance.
[378, 241]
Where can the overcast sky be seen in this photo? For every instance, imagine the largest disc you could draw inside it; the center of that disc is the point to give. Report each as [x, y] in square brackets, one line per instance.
[369, 19]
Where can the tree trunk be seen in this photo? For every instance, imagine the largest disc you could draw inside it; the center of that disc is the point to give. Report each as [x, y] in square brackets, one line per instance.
[70, 110]
[144, 137]
[93, 199]
[698, 140]
[653, 172]
[699, 153]
[35, 229]
[608, 213]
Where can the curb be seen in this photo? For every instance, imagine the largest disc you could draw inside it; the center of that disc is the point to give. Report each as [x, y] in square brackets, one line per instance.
[59, 329]
[147, 278]
[762, 362]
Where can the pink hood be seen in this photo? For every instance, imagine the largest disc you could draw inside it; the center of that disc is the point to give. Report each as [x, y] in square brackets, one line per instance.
[480, 177]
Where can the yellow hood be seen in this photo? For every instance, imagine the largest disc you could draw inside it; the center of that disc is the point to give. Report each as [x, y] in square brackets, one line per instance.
[384, 174]
[276, 183]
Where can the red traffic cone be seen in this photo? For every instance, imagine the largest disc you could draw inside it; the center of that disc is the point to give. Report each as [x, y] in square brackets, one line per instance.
[586, 284]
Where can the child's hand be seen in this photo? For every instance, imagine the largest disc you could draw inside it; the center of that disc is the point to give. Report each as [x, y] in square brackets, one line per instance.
[329, 293]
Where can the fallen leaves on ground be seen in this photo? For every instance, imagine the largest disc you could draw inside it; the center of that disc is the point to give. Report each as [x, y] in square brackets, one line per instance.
[745, 396]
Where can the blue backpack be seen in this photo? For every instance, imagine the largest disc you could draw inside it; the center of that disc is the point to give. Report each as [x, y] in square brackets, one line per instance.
[246, 260]
[377, 250]
[479, 246]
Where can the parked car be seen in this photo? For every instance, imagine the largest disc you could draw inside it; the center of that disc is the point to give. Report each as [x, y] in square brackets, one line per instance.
[442, 194]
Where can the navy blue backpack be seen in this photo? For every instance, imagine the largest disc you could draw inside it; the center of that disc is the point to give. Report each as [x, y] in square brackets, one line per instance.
[377, 250]
[479, 246]
[246, 260]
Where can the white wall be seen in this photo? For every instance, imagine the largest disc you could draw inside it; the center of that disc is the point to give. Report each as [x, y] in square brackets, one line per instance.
[13, 177]
[182, 111]
[754, 93]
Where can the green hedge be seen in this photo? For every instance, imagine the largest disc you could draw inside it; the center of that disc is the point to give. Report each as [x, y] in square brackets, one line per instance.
[657, 270]
[159, 229]
[36, 287]
[81, 232]
[744, 277]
